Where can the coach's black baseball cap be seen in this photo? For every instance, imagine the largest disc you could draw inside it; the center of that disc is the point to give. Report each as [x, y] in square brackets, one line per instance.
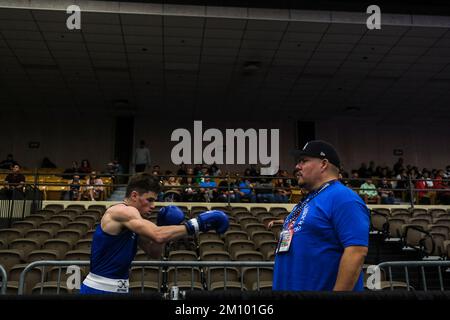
[319, 149]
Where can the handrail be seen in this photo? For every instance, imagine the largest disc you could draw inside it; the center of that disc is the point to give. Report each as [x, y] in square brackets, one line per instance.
[193, 264]
[4, 278]
[420, 264]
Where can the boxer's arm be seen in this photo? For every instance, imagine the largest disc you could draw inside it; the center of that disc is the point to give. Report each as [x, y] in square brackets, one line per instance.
[132, 220]
[350, 268]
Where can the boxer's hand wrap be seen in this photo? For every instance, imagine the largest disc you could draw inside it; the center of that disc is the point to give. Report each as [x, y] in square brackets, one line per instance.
[209, 220]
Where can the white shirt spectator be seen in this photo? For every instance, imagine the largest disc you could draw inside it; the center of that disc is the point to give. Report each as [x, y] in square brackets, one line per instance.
[142, 156]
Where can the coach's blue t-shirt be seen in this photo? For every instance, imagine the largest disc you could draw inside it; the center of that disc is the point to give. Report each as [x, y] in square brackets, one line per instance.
[333, 220]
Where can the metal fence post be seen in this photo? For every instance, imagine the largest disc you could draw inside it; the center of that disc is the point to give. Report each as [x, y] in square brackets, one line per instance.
[421, 275]
[411, 193]
[4, 278]
[229, 189]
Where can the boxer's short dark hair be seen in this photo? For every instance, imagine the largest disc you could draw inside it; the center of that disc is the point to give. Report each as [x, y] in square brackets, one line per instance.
[142, 183]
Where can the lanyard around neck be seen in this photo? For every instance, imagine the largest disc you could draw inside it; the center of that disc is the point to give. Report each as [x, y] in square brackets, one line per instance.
[298, 209]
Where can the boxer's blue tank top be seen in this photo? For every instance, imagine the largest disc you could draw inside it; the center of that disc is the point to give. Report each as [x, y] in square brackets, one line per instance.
[111, 255]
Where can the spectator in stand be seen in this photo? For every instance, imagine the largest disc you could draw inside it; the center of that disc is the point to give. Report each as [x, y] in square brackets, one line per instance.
[8, 162]
[447, 172]
[141, 158]
[264, 190]
[200, 176]
[155, 173]
[362, 171]
[248, 174]
[97, 190]
[254, 171]
[113, 169]
[47, 164]
[69, 172]
[74, 189]
[215, 171]
[189, 174]
[85, 168]
[442, 196]
[402, 179]
[245, 190]
[156, 168]
[282, 191]
[118, 167]
[390, 173]
[172, 188]
[384, 173]
[378, 172]
[294, 181]
[386, 194]
[414, 173]
[171, 181]
[422, 194]
[226, 192]
[197, 169]
[398, 166]
[354, 182]
[93, 191]
[428, 180]
[433, 174]
[430, 185]
[190, 191]
[15, 183]
[110, 170]
[208, 189]
[368, 192]
[182, 171]
[371, 171]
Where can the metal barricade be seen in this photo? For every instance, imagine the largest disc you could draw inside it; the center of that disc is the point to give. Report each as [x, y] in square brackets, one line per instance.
[162, 265]
[4, 279]
[421, 278]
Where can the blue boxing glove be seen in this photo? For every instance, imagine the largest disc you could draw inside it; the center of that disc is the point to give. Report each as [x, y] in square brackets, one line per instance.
[170, 215]
[209, 220]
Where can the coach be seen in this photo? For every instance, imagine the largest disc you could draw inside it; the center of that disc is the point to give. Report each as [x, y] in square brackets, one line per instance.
[324, 239]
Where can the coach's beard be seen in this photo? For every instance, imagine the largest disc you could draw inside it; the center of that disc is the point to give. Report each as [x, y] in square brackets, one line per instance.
[303, 184]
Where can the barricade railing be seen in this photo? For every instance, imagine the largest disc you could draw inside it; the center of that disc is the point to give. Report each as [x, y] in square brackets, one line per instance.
[17, 207]
[162, 265]
[4, 280]
[442, 268]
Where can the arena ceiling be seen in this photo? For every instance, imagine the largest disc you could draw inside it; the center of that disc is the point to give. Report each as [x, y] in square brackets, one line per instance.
[216, 62]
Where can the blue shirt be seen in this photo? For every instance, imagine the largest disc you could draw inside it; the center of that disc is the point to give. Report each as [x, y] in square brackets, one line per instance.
[111, 255]
[333, 220]
[210, 184]
[244, 187]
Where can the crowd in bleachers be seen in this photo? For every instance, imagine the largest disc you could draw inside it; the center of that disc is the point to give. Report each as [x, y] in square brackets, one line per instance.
[383, 184]
[375, 184]
[82, 182]
[208, 183]
[205, 183]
